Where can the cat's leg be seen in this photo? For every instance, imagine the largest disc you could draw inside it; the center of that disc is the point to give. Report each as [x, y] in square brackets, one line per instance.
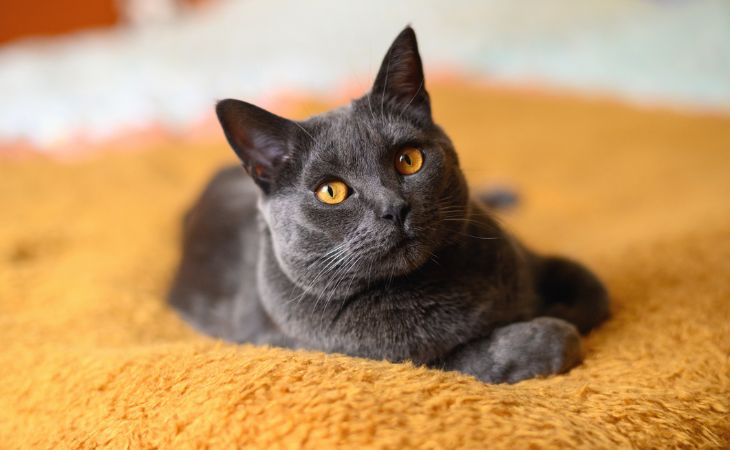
[571, 292]
[536, 348]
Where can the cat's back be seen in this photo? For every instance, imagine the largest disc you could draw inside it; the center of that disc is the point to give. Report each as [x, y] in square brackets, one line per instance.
[215, 281]
[225, 210]
[230, 190]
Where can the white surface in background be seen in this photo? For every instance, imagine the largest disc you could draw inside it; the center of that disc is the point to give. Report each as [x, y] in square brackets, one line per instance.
[171, 73]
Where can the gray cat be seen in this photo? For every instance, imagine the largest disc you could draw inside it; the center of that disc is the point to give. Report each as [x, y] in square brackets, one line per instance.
[353, 232]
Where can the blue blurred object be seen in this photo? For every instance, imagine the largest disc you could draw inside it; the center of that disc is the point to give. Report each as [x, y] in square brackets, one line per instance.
[499, 197]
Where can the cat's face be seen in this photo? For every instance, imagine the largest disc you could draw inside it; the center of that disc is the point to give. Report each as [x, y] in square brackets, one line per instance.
[361, 193]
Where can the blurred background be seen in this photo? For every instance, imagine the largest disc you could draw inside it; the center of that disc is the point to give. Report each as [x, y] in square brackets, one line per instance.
[76, 73]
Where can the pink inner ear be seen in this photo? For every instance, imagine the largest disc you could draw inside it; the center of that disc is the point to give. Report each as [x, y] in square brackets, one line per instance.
[259, 170]
[258, 137]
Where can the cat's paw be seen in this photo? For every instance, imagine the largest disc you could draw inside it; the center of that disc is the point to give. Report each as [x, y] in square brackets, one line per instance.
[541, 347]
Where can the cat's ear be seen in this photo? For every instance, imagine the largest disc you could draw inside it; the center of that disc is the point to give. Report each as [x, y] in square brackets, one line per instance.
[260, 139]
[400, 77]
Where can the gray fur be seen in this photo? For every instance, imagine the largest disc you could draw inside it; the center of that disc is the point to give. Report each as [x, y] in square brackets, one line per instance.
[447, 287]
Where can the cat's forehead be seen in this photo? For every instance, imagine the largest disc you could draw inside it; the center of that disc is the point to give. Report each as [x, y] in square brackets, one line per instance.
[354, 129]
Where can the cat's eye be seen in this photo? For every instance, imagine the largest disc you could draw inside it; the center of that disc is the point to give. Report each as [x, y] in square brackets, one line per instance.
[332, 192]
[408, 161]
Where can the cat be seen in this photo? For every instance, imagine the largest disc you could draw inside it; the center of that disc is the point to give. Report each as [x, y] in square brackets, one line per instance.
[353, 232]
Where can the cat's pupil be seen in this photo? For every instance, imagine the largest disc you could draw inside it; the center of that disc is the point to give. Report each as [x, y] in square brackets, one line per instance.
[407, 159]
[330, 191]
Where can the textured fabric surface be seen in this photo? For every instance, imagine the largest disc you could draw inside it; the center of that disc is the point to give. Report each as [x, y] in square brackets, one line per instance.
[92, 357]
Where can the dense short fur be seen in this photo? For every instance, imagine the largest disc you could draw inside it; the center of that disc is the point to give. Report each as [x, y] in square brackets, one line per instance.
[406, 268]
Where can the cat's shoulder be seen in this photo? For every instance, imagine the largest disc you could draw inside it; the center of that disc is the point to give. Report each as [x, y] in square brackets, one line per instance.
[230, 188]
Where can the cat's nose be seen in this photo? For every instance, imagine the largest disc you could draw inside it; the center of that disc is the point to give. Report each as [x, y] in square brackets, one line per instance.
[396, 212]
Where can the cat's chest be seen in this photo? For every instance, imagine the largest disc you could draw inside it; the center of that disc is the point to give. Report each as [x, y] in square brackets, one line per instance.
[417, 317]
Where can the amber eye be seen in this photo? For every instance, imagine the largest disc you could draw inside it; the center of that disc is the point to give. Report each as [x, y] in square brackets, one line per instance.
[408, 161]
[332, 192]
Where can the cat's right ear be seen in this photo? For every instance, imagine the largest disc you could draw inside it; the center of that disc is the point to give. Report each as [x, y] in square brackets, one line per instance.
[260, 139]
[400, 77]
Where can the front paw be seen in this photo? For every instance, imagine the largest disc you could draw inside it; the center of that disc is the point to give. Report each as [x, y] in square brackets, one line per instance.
[538, 348]
[541, 347]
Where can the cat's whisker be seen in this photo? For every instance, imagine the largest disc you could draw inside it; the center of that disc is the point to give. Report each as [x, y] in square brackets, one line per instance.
[333, 261]
[454, 210]
[314, 141]
[486, 238]
[370, 268]
[334, 249]
[328, 254]
[370, 105]
[328, 264]
[390, 277]
[339, 274]
[434, 258]
[483, 224]
[470, 221]
[453, 214]
[461, 219]
[354, 263]
[337, 267]
[449, 203]
[346, 301]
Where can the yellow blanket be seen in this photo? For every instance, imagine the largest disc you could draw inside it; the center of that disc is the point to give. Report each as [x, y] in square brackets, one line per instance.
[91, 356]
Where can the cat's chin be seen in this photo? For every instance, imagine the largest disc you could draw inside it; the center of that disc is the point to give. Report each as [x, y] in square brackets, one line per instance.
[407, 255]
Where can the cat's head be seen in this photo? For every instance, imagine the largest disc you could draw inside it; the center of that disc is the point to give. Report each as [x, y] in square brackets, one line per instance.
[363, 192]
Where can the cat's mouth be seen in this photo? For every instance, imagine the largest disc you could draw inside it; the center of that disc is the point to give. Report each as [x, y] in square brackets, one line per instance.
[407, 253]
[402, 244]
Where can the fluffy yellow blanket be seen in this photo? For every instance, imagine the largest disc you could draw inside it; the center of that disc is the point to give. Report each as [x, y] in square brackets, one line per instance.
[92, 357]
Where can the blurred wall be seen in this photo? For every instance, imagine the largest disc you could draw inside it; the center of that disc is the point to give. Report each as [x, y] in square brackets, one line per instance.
[27, 18]
[20, 19]
[168, 61]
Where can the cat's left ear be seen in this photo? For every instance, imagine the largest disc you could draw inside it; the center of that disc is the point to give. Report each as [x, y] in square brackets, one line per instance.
[400, 77]
[260, 139]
